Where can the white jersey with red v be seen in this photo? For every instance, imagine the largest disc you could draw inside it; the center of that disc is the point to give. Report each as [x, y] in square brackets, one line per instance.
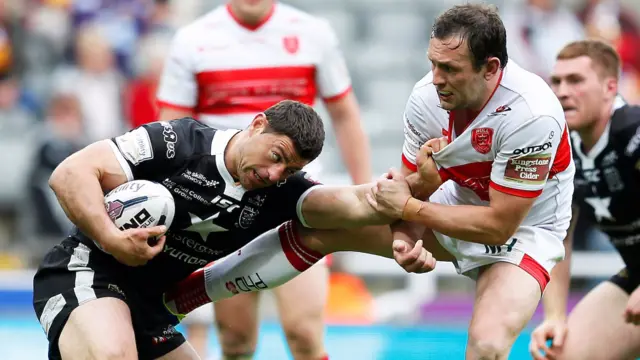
[517, 144]
[226, 71]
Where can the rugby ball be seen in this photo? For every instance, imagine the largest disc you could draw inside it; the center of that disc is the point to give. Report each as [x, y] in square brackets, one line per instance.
[140, 204]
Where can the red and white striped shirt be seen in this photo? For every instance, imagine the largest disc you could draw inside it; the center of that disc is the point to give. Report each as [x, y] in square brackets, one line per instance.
[226, 71]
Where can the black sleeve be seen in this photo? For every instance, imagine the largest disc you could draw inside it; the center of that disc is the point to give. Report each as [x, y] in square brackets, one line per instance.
[289, 193]
[158, 148]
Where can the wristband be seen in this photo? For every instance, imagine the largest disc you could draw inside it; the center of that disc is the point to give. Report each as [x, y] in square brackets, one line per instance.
[411, 210]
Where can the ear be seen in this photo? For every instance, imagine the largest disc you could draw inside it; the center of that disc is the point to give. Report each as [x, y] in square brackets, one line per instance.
[611, 87]
[258, 124]
[492, 68]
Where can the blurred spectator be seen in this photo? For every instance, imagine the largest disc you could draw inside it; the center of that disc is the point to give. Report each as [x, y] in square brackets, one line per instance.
[96, 82]
[141, 107]
[537, 30]
[610, 21]
[123, 22]
[61, 136]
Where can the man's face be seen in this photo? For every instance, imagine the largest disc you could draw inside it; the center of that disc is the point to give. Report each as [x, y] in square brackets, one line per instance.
[267, 158]
[581, 91]
[458, 84]
[251, 10]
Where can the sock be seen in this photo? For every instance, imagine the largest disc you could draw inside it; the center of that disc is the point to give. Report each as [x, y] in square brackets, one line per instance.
[268, 261]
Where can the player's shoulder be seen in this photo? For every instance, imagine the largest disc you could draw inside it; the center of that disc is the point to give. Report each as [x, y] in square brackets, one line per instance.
[529, 96]
[203, 26]
[304, 22]
[625, 117]
[423, 93]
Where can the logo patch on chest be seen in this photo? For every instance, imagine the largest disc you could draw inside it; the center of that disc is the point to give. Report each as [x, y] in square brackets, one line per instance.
[481, 139]
[291, 44]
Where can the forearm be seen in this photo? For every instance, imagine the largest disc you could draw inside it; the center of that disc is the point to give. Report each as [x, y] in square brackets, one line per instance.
[478, 224]
[80, 195]
[354, 148]
[341, 207]
[419, 189]
[557, 292]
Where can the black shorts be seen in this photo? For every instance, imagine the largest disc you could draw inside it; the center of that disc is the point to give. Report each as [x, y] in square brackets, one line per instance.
[627, 280]
[73, 273]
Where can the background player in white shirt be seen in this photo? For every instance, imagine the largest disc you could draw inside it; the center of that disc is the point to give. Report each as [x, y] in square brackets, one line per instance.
[225, 66]
[501, 178]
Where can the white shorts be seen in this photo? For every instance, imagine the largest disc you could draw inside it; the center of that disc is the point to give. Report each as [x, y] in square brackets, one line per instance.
[533, 249]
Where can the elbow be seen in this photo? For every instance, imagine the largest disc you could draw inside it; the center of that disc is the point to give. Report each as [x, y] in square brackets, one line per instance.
[58, 177]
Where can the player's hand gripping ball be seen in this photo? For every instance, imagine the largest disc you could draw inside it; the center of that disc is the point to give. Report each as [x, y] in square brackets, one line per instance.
[143, 211]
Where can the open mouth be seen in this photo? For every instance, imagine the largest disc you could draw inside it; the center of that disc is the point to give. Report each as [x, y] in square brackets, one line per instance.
[569, 110]
[260, 179]
[444, 94]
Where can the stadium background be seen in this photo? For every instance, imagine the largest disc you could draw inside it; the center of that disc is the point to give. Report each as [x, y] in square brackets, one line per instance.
[59, 90]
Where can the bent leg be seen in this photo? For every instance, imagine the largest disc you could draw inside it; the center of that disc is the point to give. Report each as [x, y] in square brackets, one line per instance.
[237, 322]
[506, 298]
[99, 329]
[596, 327]
[301, 304]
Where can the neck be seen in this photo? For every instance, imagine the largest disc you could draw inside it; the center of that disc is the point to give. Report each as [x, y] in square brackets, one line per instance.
[250, 19]
[231, 154]
[592, 134]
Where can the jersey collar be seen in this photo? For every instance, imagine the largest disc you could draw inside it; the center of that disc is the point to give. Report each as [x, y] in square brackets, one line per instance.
[219, 143]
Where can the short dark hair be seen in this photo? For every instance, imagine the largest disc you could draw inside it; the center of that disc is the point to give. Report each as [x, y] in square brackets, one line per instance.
[478, 24]
[603, 56]
[301, 123]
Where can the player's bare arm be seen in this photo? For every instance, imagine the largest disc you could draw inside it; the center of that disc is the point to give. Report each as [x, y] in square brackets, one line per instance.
[555, 302]
[489, 225]
[80, 182]
[353, 143]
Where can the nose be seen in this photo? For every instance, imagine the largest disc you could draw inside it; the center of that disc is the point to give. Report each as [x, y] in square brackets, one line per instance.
[561, 89]
[276, 172]
[438, 79]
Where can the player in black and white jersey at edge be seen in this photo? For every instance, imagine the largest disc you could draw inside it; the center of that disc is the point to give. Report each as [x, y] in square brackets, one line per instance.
[606, 149]
[229, 187]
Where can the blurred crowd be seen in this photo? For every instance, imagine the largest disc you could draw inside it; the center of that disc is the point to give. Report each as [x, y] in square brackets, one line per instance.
[76, 71]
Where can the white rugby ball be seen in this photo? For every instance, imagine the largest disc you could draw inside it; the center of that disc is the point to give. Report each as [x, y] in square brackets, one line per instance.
[140, 204]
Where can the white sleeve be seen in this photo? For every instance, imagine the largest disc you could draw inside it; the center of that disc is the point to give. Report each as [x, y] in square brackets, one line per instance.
[178, 86]
[332, 76]
[526, 154]
[415, 129]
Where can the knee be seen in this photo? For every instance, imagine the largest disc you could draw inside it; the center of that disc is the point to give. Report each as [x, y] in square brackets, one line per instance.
[236, 339]
[115, 351]
[485, 344]
[305, 340]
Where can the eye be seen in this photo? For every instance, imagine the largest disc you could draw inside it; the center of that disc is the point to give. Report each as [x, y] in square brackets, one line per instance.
[275, 156]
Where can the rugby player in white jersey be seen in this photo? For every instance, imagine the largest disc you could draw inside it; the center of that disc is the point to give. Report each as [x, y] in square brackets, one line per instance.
[502, 168]
[244, 57]
[498, 154]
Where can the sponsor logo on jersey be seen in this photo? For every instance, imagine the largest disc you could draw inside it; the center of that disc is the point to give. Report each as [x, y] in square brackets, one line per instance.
[170, 138]
[247, 216]
[501, 110]
[532, 170]
[633, 143]
[135, 145]
[291, 44]
[481, 139]
[532, 149]
[199, 179]
[257, 200]
[411, 128]
[184, 257]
